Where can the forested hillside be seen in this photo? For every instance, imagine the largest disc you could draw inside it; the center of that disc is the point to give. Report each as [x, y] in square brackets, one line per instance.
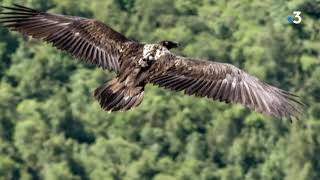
[52, 128]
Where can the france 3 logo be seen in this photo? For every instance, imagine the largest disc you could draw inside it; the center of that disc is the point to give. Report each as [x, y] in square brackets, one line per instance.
[297, 18]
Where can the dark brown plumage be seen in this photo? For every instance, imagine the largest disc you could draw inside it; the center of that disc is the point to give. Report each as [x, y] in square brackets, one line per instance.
[139, 64]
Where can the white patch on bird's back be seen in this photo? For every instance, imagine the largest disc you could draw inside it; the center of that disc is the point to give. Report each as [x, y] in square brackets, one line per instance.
[147, 50]
[160, 52]
[153, 51]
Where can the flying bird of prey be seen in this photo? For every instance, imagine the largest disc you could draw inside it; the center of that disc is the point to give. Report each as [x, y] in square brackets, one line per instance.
[137, 64]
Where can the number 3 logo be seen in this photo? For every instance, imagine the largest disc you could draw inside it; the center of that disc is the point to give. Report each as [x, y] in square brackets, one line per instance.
[297, 16]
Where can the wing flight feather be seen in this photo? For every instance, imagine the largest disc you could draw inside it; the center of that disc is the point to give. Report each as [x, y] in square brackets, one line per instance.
[87, 39]
[223, 82]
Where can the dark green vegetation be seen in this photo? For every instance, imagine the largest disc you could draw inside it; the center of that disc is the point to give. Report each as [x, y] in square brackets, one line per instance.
[52, 128]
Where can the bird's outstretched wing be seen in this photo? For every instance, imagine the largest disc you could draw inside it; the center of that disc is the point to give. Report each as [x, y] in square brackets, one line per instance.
[89, 40]
[223, 82]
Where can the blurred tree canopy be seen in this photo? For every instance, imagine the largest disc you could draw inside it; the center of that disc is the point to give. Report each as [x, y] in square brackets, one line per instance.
[52, 128]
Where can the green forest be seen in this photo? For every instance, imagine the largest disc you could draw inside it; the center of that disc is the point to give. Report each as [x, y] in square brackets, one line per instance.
[52, 128]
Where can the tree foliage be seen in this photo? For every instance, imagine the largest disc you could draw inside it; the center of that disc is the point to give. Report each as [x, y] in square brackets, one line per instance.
[52, 128]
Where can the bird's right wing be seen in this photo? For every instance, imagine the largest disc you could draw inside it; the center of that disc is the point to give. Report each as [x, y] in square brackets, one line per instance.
[83, 38]
[223, 82]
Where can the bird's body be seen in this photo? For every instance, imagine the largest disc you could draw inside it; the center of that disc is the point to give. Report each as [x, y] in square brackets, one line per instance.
[137, 64]
[137, 61]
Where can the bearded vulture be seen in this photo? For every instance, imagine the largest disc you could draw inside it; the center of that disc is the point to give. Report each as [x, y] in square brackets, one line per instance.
[137, 64]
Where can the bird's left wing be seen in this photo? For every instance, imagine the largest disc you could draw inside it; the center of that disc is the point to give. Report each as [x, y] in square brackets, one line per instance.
[223, 82]
[87, 39]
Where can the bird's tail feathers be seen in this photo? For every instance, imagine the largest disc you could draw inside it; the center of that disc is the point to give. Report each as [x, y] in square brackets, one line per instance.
[117, 96]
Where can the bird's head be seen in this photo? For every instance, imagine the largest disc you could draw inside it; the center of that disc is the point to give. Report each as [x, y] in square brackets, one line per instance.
[169, 44]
